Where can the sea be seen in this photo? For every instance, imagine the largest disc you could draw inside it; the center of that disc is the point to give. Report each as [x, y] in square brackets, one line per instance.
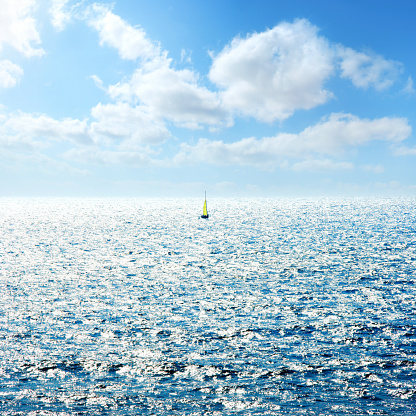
[270, 307]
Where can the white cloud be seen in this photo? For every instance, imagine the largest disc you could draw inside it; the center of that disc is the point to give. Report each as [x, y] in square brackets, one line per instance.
[164, 91]
[374, 168]
[396, 187]
[18, 27]
[117, 134]
[266, 75]
[172, 94]
[113, 126]
[62, 13]
[331, 137]
[332, 134]
[29, 162]
[409, 87]
[368, 70]
[52, 166]
[405, 151]
[59, 16]
[244, 152]
[10, 74]
[130, 42]
[18, 30]
[126, 127]
[98, 82]
[271, 74]
[37, 131]
[98, 156]
[186, 57]
[321, 165]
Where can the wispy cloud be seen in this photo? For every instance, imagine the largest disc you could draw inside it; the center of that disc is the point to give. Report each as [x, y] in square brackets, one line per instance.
[126, 127]
[98, 156]
[409, 88]
[374, 168]
[60, 16]
[64, 12]
[130, 42]
[10, 74]
[111, 125]
[331, 136]
[98, 82]
[405, 151]
[321, 165]
[29, 131]
[368, 69]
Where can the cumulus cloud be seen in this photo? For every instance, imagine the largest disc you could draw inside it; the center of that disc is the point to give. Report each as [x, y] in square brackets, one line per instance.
[368, 70]
[10, 74]
[330, 137]
[18, 27]
[271, 74]
[267, 75]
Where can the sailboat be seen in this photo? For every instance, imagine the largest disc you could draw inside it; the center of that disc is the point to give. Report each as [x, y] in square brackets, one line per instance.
[204, 209]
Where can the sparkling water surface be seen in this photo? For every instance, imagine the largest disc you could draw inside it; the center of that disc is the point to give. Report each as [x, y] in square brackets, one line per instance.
[269, 307]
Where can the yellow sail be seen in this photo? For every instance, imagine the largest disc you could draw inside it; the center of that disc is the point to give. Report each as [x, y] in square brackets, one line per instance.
[204, 209]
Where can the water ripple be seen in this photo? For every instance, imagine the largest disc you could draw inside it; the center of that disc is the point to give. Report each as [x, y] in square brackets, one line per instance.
[270, 307]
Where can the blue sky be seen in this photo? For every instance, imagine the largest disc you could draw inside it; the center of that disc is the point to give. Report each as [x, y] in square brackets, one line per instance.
[239, 98]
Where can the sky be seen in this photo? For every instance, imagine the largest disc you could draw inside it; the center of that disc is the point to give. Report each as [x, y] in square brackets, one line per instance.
[262, 98]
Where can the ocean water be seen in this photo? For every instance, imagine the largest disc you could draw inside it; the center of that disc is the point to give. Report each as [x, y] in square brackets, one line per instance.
[269, 307]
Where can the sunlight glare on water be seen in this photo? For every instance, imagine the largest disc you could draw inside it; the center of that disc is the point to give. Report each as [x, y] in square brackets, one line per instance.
[271, 307]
